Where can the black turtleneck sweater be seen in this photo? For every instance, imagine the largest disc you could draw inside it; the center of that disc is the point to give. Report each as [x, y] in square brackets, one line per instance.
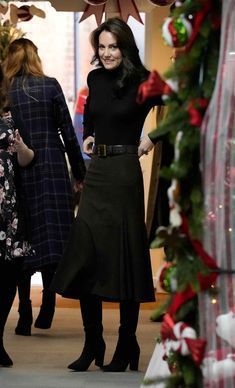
[114, 119]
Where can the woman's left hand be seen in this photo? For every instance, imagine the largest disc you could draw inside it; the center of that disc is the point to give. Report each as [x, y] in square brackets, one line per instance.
[145, 146]
[78, 186]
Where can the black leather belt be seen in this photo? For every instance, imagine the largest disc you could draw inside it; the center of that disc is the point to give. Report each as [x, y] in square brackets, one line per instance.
[103, 150]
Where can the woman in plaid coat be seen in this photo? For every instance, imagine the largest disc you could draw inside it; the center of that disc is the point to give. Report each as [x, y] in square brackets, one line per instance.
[43, 109]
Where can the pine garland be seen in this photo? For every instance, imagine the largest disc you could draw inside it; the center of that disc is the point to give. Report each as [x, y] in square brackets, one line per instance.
[194, 71]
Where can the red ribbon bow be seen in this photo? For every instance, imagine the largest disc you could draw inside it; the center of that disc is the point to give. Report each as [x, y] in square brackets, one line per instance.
[154, 86]
[196, 110]
[180, 336]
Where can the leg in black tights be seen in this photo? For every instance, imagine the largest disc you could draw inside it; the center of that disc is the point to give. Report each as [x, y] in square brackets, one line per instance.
[94, 347]
[9, 273]
[127, 350]
[25, 307]
[47, 310]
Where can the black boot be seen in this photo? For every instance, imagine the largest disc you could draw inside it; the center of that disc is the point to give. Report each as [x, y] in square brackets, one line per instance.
[25, 320]
[8, 281]
[47, 309]
[5, 360]
[94, 347]
[127, 351]
[25, 307]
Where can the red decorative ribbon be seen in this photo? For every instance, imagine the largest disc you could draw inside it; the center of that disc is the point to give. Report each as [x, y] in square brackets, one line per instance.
[205, 281]
[180, 336]
[167, 328]
[174, 34]
[154, 86]
[197, 349]
[129, 8]
[198, 20]
[196, 110]
[96, 10]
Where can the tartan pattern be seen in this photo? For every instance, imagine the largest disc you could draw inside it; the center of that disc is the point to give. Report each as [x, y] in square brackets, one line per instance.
[42, 107]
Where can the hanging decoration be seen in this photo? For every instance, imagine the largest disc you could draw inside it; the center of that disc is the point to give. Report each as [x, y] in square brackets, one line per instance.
[167, 277]
[23, 13]
[97, 8]
[128, 8]
[216, 369]
[161, 3]
[176, 31]
[225, 327]
[3, 7]
[95, 2]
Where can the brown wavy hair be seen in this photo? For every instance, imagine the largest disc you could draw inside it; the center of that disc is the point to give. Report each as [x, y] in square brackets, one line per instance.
[4, 101]
[131, 66]
[22, 58]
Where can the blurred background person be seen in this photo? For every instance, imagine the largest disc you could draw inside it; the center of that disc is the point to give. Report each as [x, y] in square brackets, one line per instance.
[42, 106]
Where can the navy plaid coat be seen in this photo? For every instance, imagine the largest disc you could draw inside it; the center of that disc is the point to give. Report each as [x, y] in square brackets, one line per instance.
[41, 104]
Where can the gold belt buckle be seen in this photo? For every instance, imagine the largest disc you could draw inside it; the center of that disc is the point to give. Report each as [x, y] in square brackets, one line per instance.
[102, 150]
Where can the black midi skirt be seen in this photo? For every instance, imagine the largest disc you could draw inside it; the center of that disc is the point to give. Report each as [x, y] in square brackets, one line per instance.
[107, 253]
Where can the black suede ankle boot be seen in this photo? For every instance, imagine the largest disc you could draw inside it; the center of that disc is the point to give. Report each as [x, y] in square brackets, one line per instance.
[93, 350]
[127, 353]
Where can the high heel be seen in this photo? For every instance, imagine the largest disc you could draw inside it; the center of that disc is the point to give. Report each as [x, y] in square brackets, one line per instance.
[91, 352]
[127, 353]
[5, 359]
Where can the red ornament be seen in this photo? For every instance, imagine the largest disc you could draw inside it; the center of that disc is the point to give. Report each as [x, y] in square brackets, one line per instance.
[24, 14]
[161, 3]
[95, 2]
[153, 86]
[165, 276]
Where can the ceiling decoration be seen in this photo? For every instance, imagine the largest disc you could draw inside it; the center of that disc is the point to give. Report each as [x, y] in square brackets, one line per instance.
[123, 8]
[126, 8]
[23, 13]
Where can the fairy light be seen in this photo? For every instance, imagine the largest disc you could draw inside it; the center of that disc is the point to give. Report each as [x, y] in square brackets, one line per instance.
[213, 300]
[230, 229]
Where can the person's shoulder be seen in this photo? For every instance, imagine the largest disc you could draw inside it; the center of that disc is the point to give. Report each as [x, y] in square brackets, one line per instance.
[50, 80]
[51, 83]
[94, 73]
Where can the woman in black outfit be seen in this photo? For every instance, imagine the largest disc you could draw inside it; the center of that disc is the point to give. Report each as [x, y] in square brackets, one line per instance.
[107, 256]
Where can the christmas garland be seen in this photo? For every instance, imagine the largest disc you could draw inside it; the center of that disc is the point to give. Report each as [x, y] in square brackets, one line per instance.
[193, 29]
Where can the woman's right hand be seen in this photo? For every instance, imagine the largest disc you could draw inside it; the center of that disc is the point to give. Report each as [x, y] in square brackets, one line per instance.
[87, 146]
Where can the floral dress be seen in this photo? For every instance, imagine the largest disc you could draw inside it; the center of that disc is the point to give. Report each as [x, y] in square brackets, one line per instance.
[12, 241]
